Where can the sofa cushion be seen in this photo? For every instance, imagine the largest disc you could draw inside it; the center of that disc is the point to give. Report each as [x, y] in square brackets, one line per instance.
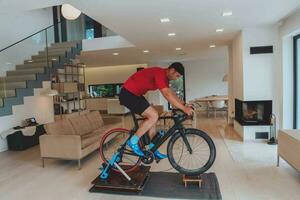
[95, 119]
[81, 125]
[90, 139]
[107, 128]
[60, 127]
[111, 120]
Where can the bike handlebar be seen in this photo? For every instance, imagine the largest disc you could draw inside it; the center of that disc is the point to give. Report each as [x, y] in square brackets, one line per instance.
[179, 114]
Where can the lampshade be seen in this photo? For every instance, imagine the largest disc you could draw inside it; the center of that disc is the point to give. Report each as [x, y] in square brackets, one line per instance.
[225, 78]
[69, 12]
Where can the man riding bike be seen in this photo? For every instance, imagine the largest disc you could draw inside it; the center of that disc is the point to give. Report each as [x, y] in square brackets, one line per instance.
[139, 84]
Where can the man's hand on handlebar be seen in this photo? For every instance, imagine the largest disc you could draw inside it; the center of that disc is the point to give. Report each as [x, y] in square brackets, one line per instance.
[188, 110]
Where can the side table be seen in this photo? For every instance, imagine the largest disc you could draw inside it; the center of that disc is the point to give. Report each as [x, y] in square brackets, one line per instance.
[17, 141]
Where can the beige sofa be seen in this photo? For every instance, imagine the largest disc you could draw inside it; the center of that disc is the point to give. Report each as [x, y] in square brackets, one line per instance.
[289, 147]
[76, 137]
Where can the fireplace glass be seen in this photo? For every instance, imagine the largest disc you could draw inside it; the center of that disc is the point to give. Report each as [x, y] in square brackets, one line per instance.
[253, 112]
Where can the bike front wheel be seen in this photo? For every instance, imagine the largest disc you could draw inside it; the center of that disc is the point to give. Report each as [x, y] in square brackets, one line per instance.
[194, 162]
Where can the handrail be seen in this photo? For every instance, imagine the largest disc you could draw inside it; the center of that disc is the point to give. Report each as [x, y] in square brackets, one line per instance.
[29, 36]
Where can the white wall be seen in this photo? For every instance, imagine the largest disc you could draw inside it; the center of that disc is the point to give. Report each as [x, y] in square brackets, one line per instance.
[16, 26]
[236, 74]
[253, 75]
[258, 68]
[38, 106]
[110, 42]
[284, 70]
[204, 78]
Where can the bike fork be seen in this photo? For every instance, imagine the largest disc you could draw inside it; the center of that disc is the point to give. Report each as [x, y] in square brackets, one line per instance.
[186, 142]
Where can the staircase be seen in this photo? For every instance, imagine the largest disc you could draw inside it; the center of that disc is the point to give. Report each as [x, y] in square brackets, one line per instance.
[26, 77]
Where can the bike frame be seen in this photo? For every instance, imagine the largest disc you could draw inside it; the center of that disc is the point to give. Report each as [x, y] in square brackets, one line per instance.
[177, 127]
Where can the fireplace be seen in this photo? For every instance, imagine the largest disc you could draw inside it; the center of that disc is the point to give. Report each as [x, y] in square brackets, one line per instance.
[253, 112]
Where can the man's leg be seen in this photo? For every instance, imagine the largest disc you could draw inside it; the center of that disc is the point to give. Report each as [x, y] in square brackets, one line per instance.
[151, 117]
[152, 132]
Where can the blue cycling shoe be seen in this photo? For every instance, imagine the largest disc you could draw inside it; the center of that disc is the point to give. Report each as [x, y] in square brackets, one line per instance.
[159, 155]
[135, 148]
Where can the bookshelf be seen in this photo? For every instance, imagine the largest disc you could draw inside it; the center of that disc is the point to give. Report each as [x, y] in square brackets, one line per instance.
[69, 82]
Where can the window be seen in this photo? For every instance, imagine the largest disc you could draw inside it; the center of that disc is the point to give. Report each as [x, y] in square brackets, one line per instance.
[89, 33]
[178, 87]
[105, 90]
[297, 82]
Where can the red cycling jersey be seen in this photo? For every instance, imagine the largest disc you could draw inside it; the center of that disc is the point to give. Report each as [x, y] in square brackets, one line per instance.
[152, 78]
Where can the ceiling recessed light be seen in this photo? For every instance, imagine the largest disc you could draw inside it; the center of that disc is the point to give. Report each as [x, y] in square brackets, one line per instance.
[226, 14]
[178, 49]
[219, 30]
[164, 20]
[53, 59]
[115, 54]
[171, 34]
[146, 51]
[212, 46]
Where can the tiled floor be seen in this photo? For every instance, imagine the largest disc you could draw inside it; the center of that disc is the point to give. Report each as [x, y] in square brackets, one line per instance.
[246, 171]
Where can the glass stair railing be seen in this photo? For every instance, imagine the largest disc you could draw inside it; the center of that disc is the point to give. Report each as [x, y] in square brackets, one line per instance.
[28, 62]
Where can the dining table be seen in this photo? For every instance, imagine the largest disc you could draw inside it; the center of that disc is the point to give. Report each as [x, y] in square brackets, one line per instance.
[211, 98]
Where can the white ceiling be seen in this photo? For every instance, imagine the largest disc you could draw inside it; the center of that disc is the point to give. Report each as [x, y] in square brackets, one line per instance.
[194, 22]
[11, 6]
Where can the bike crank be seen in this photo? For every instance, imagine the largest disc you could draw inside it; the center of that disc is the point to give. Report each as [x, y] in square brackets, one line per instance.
[148, 158]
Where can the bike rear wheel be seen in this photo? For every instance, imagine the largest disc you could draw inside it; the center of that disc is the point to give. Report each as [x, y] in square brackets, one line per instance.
[111, 142]
[199, 160]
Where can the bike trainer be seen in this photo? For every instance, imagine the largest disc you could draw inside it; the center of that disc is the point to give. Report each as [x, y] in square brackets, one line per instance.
[117, 182]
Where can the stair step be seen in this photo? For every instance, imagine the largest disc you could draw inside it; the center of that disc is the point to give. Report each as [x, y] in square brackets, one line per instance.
[42, 59]
[25, 71]
[54, 51]
[13, 85]
[25, 74]
[65, 44]
[57, 48]
[19, 78]
[32, 65]
[7, 93]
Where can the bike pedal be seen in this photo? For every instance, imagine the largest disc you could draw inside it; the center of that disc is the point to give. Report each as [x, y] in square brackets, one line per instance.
[157, 160]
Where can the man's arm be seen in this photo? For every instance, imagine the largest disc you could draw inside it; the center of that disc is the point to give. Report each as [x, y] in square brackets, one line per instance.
[175, 101]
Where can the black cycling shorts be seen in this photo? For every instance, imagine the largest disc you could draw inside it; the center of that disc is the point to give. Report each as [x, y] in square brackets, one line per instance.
[136, 104]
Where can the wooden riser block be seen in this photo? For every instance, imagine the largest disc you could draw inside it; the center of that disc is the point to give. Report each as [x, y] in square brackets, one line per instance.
[191, 179]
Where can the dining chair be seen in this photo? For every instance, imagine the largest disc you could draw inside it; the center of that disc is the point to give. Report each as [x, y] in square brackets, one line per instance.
[218, 105]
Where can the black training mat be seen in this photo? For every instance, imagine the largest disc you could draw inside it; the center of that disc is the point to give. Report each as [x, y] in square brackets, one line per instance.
[170, 185]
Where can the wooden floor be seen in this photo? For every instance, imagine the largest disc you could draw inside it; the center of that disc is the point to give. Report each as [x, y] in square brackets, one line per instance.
[246, 171]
